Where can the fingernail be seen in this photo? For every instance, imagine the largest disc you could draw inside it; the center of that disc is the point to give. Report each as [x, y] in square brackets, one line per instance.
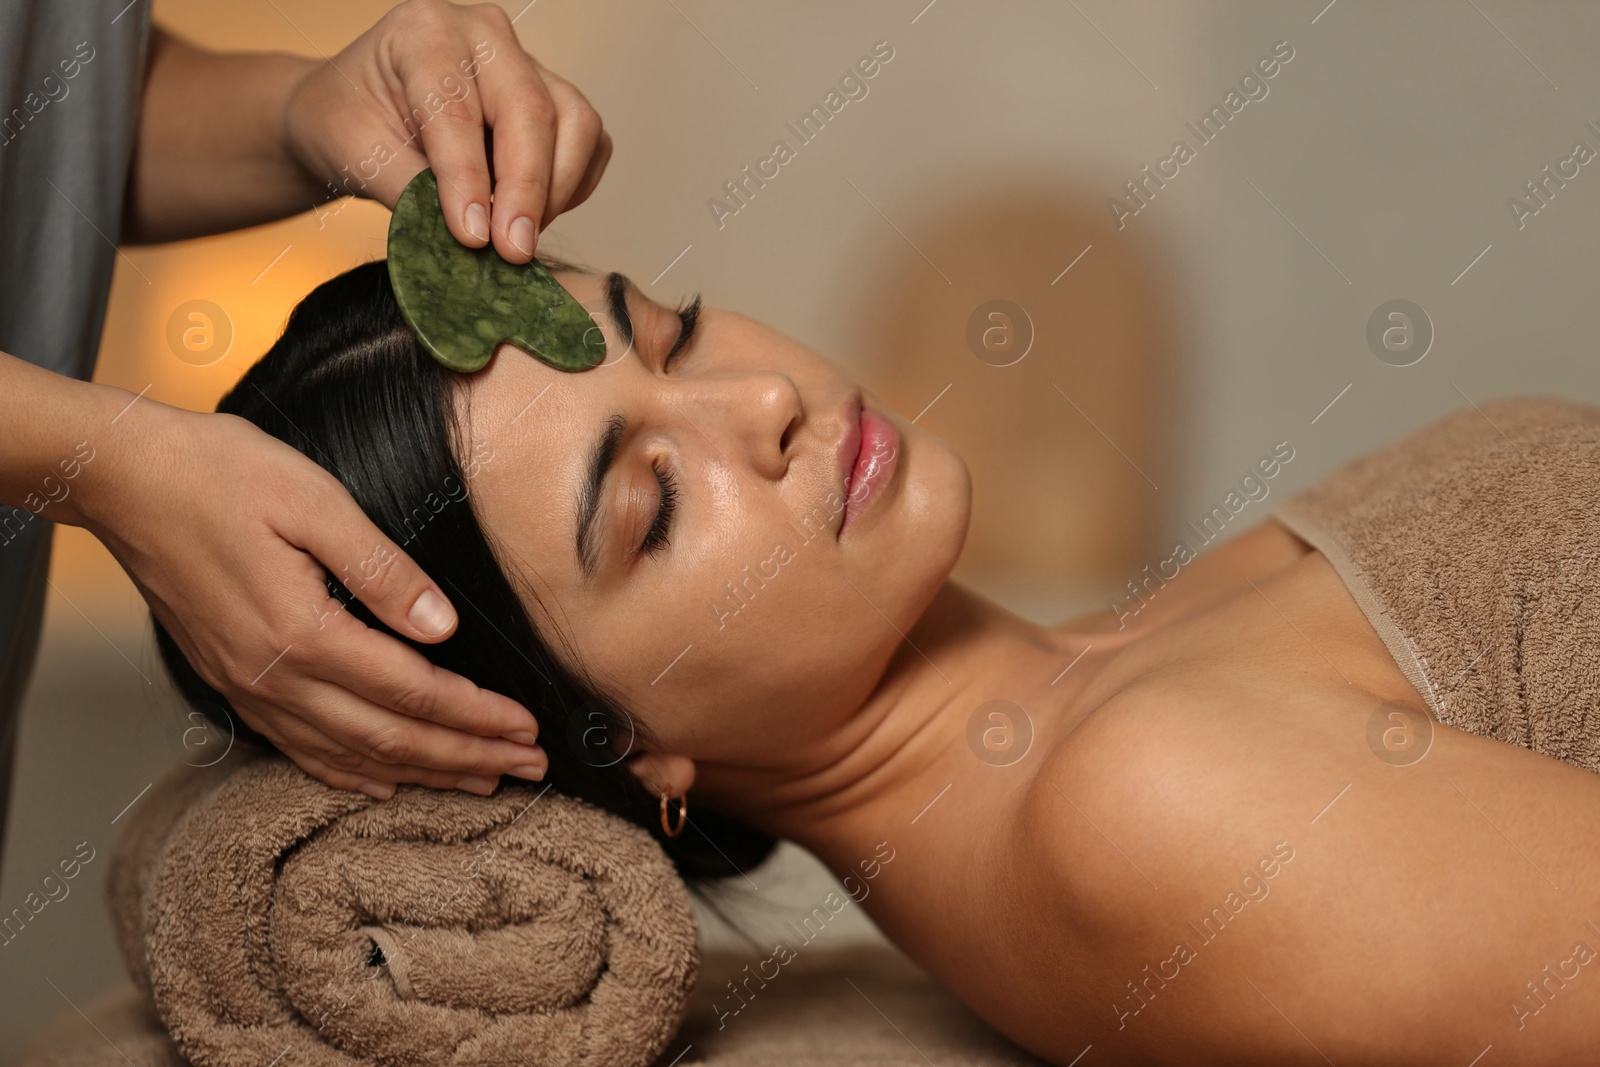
[377, 790]
[431, 614]
[522, 234]
[528, 770]
[474, 784]
[477, 222]
[521, 737]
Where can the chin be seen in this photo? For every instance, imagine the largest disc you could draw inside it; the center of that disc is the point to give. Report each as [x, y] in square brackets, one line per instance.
[957, 500]
[935, 504]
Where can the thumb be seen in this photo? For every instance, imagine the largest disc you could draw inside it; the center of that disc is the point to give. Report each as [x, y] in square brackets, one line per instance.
[378, 573]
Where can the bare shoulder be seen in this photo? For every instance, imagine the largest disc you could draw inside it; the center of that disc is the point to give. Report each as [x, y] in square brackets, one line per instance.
[1251, 881]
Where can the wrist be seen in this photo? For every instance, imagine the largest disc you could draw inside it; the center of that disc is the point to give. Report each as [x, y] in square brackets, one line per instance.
[293, 74]
[117, 444]
[57, 428]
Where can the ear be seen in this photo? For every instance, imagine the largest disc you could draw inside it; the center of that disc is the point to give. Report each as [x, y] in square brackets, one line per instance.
[664, 771]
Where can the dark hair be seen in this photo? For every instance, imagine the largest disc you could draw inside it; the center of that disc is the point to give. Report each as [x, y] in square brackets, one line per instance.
[349, 386]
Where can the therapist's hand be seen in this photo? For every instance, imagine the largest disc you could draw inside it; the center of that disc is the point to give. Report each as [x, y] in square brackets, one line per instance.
[223, 527]
[419, 90]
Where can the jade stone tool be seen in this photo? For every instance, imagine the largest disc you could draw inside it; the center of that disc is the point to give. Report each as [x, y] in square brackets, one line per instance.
[461, 302]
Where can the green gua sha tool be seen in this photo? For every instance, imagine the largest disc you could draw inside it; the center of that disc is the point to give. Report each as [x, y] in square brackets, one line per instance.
[461, 302]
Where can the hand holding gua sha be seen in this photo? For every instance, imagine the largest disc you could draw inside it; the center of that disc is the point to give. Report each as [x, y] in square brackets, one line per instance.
[461, 302]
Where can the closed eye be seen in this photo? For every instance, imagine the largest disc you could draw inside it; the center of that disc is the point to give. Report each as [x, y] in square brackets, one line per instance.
[656, 538]
[688, 318]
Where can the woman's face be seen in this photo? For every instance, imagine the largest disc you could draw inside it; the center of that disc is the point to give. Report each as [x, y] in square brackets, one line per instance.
[729, 536]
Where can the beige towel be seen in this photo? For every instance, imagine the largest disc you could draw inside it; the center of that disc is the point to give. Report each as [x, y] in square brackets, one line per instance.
[269, 918]
[1473, 547]
[851, 1005]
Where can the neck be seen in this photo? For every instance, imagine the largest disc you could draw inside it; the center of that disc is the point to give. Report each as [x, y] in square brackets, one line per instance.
[892, 760]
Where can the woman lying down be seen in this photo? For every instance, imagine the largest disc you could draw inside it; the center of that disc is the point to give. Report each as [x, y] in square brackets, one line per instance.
[1329, 797]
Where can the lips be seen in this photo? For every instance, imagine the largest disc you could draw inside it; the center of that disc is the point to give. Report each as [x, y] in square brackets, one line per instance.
[850, 443]
[868, 455]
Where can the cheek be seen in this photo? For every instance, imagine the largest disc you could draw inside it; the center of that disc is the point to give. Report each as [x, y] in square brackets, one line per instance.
[783, 628]
[742, 649]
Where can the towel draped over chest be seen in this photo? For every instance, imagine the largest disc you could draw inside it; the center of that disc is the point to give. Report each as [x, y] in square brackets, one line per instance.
[1473, 548]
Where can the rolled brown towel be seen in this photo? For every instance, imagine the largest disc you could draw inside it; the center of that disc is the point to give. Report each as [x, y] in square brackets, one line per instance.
[270, 918]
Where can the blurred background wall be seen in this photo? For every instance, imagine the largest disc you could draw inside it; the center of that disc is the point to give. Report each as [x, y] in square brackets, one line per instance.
[1139, 364]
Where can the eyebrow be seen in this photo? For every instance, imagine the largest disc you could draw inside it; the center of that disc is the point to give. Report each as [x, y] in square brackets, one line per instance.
[617, 286]
[601, 458]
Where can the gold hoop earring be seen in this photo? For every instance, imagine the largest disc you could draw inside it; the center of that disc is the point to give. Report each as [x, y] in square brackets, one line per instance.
[683, 815]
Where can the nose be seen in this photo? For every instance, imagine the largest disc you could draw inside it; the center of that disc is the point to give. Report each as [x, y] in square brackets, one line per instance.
[752, 416]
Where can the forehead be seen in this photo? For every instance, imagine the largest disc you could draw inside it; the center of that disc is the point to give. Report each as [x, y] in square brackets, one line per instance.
[528, 430]
[516, 392]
